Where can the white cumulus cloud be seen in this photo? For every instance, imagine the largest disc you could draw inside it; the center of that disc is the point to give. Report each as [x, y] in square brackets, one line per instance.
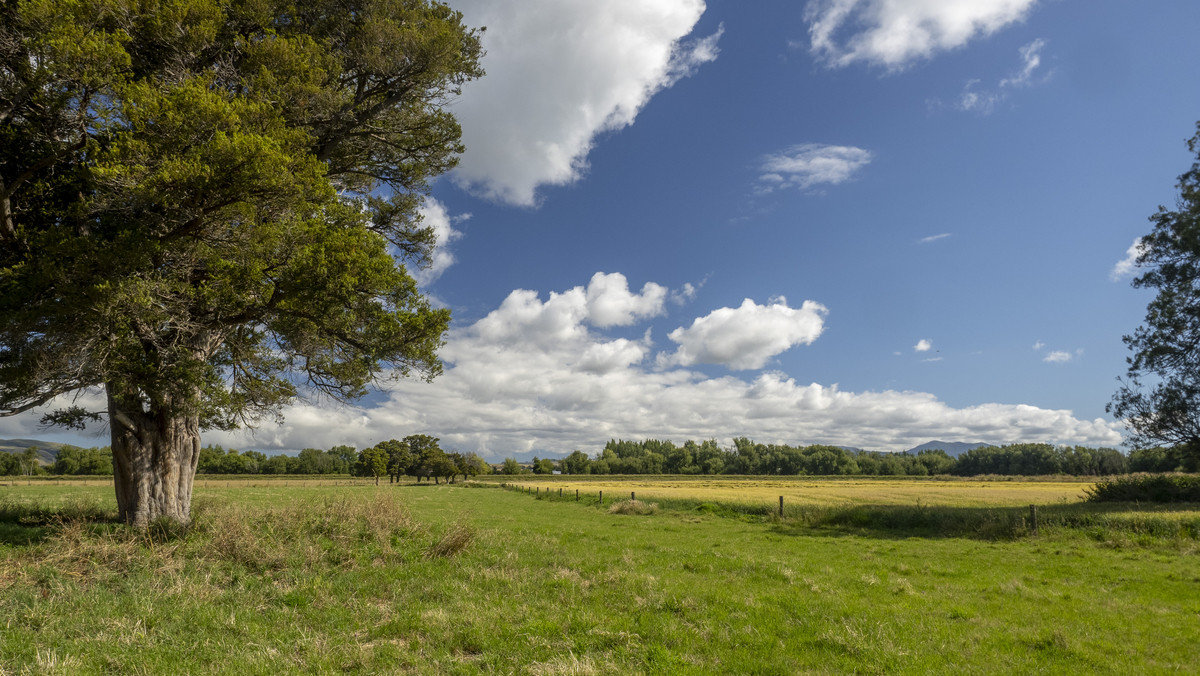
[810, 164]
[896, 33]
[538, 375]
[559, 72]
[746, 337]
[923, 346]
[1128, 264]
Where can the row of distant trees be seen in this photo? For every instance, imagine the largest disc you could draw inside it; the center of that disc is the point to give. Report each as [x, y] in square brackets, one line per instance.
[417, 455]
[420, 456]
[653, 456]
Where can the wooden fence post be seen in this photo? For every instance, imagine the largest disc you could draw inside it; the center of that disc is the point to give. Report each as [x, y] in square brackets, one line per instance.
[632, 496]
[576, 495]
[1033, 518]
[602, 497]
[781, 506]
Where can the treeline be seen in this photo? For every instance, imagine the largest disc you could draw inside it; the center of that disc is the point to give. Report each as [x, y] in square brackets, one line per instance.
[654, 456]
[71, 461]
[417, 455]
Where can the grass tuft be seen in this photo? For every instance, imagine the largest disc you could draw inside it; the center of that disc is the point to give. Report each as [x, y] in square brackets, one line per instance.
[455, 540]
[633, 507]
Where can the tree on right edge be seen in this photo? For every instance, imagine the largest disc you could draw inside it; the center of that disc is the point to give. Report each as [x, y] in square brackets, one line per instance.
[1159, 400]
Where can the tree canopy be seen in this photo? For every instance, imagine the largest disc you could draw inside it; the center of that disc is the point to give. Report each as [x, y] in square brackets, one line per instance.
[1160, 398]
[207, 208]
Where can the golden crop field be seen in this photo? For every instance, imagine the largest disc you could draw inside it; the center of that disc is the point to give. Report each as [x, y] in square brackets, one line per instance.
[823, 491]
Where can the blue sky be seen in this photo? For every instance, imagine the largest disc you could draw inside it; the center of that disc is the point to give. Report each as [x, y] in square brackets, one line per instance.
[863, 222]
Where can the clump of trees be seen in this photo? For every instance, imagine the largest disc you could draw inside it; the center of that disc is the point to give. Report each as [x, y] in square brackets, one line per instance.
[420, 456]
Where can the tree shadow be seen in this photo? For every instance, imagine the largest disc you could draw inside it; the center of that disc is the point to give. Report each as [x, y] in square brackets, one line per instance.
[28, 524]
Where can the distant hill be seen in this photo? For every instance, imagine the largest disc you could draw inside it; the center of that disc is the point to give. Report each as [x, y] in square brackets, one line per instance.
[952, 448]
[47, 450]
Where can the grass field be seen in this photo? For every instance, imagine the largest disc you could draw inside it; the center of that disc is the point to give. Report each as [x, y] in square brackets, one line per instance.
[820, 491]
[277, 578]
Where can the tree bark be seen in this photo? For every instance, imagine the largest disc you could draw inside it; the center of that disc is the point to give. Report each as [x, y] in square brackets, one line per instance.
[155, 453]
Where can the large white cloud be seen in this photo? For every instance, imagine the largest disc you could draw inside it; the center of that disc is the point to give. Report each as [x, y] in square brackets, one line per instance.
[746, 337]
[559, 72]
[895, 33]
[539, 375]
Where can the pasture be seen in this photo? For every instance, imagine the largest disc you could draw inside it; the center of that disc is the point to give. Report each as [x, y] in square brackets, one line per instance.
[354, 578]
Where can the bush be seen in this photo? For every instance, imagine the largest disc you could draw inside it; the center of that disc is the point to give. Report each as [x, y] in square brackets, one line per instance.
[1147, 488]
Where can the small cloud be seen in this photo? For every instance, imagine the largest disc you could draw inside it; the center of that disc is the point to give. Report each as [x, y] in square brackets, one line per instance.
[1038, 345]
[1125, 266]
[933, 238]
[1031, 56]
[684, 294]
[923, 346]
[810, 164]
[1058, 357]
[985, 100]
[434, 215]
[932, 359]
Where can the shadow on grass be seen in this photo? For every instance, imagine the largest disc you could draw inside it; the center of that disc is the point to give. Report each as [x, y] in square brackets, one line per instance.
[996, 523]
[28, 523]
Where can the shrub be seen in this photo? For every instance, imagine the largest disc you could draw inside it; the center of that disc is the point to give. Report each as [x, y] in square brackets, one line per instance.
[1146, 488]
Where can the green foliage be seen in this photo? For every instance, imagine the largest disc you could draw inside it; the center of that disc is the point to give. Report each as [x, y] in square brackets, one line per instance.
[207, 205]
[83, 461]
[511, 467]
[1166, 348]
[373, 461]
[1147, 488]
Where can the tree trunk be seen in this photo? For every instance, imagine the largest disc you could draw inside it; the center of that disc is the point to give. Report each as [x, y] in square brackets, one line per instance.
[155, 453]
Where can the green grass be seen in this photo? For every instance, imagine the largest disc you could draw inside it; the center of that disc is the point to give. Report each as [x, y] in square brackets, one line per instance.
[437, 579]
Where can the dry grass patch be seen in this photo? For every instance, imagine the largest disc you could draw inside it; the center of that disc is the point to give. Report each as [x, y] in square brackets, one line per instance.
[633, 507]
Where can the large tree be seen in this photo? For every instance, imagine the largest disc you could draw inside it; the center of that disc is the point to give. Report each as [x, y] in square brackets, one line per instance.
[207, 208]
[1160, 398]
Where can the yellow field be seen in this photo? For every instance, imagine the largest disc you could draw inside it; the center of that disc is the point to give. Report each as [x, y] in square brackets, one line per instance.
[820, 491]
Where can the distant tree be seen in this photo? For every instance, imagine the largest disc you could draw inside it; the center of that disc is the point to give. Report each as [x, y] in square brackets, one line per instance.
[10, 464]
[344, 458]
[426, 456]
[543, 466]
[1154, 459]
[576, 463]
[1166, 349]
[277, 464]
[399, 458]
[72, 460]
[511, 467]
[373, 462]
[30, 464]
